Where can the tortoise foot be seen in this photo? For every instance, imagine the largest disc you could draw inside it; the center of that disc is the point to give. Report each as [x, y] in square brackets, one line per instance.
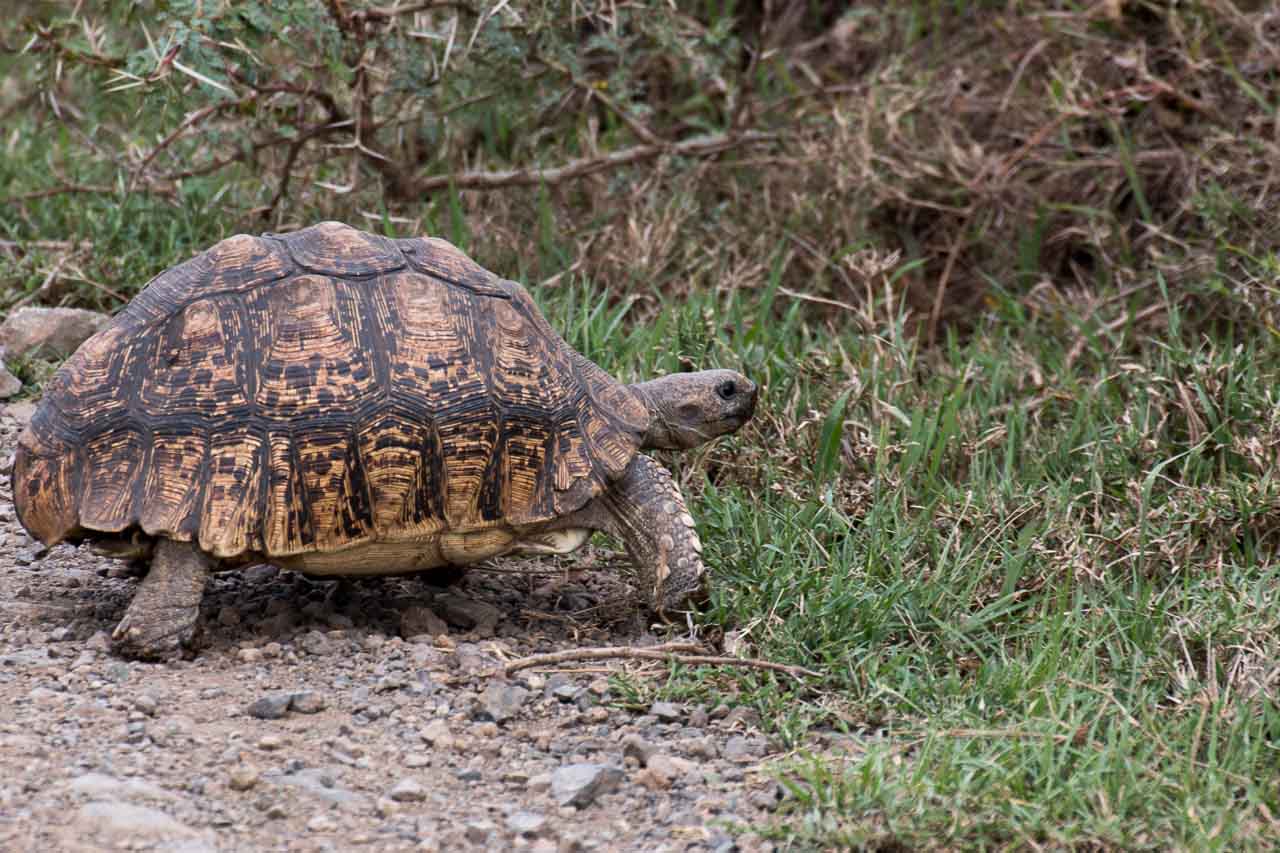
[161, 620]
[144, 634]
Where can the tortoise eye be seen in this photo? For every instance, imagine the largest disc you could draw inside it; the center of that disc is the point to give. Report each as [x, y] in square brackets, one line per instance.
[727, 390]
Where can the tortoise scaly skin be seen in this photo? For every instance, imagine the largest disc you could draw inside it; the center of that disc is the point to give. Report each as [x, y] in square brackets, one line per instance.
[341, 403]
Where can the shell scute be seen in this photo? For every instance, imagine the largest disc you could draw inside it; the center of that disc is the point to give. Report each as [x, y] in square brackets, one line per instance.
[332, 248]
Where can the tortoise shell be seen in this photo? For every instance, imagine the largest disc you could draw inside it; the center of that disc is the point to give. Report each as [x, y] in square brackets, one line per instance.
[319, 391]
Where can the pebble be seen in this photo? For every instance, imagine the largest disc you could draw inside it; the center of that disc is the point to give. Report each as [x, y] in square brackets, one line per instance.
[667, 712]
[315, 643]
[270, 707]
[743, 750]
[526, 823]
[408, 790]
[468, 614]
[307, 702]
[9, 384]
[670, 767]
[243, 778]
[637, 748]
[502, 701]
[579, 784]
[437, 734]
[128, 821]
[741, 717]
[322, 823]
[414, 760]
[478, 831]
[417, 620]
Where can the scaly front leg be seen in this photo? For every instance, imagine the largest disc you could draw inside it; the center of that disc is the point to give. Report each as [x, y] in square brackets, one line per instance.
[648, 512]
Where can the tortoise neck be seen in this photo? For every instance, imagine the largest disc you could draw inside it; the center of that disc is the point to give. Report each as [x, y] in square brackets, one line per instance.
[658, 435]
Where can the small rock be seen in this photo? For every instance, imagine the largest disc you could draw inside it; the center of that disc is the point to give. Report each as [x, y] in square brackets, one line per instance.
[249, 655]
[579, 784]
[270, 743]
[704, 748]
[636, 747]
[418, 620]
[650, 778]
[271, 707]
[307, 702]
[502, 701]
[478, 831]
[743, 750]
[666, 711]
[318, 782]
[671, 767]
[468, 614]
[437, 734]
[538, 783]
[117, 672]
[102, 786]
[470, 659]
[526, 823]
[315, 643]
[698, 718]
[49, 331]
[243, 778]
[322, 823]
[742, 717]
[9, 384]
[21, 411]
[565, 692]
[414, 760]
[408, 790]
[127, 821]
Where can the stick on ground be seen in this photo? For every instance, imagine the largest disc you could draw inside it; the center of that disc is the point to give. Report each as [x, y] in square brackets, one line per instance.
[675, 652]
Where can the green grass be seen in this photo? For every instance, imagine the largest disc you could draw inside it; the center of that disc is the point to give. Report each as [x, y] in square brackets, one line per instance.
[1040, 585]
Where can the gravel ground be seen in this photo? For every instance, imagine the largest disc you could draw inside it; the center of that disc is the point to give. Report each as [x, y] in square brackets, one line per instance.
[348, 715]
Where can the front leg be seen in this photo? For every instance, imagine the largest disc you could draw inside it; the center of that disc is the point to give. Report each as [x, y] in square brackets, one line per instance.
[645, 508]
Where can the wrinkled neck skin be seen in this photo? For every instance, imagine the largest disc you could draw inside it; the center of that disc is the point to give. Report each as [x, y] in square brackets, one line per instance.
[659, 435]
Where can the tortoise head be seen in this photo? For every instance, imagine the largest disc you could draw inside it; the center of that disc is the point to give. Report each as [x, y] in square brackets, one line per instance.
[688, 409]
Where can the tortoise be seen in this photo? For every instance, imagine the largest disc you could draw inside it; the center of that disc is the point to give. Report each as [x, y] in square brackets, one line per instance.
[341, 403]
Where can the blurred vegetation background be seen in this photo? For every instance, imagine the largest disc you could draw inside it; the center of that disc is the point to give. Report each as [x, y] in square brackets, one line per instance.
[1049, 149]
[1008, 272]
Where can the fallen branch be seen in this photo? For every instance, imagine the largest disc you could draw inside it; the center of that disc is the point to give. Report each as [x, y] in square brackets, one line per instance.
[700, 146]
[670, 652]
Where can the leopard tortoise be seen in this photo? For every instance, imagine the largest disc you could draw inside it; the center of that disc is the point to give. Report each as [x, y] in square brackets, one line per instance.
[341, 403]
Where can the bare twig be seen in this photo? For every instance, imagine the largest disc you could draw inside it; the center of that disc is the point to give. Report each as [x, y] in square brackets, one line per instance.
[700, 146]
[935, 311]
[820, 300]
[66, 189]
[189, 122]
[670, 652]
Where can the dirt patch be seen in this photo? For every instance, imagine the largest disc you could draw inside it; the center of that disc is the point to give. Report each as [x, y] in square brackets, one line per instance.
[308, 721]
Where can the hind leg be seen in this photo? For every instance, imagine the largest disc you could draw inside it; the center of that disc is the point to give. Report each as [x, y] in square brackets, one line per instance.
[162, 616]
